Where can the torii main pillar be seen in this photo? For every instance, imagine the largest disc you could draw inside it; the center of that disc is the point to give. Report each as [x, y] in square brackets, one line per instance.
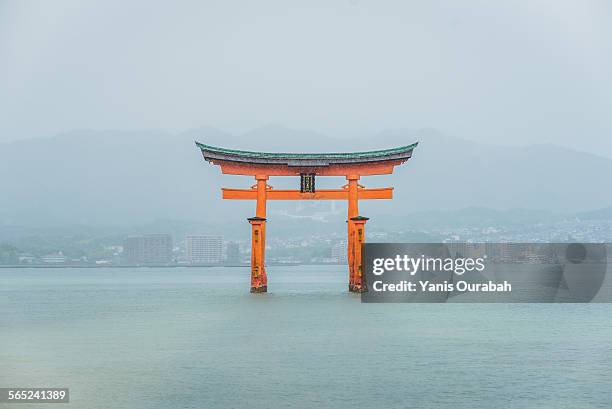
[262, 165]
[353, 211]
[259, 279]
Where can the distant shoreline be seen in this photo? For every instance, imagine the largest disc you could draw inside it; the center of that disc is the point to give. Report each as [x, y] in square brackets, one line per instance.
[163, 265]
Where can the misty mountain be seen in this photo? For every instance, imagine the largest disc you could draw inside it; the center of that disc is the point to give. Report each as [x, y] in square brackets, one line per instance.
[121, 177]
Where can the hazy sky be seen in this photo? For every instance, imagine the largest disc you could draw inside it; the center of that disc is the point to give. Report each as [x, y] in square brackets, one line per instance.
[523, 72]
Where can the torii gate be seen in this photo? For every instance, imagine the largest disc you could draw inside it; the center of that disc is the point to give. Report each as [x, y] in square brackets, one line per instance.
[262, 165]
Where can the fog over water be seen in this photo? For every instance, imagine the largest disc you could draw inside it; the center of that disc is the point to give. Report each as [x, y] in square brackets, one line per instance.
[519, 73]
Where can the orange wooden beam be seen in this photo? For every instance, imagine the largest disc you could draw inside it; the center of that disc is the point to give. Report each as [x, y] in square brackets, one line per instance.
[322, 194]
[361, 169]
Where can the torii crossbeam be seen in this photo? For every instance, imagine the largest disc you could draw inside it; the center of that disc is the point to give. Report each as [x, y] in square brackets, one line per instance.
[262, 165]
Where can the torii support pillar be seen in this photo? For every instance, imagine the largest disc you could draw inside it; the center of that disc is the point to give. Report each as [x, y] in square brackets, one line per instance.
[353, 211]
[357, 264]
[259, 279]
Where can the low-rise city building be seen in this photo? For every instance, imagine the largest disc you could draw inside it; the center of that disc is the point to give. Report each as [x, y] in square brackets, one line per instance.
[204, 249]
[148, 249]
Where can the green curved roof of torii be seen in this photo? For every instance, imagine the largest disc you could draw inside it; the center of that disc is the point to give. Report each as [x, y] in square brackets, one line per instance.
[211, 153]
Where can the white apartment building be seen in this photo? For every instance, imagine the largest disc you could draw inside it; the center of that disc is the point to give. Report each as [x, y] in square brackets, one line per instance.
[204, 249]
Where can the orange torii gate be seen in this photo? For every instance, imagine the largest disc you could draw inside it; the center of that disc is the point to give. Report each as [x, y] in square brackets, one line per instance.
[262, 165]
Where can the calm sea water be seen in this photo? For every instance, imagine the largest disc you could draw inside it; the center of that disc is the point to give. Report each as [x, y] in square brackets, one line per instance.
[195, 338]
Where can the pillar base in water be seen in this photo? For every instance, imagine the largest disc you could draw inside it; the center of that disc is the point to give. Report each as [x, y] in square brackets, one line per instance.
[262, 289]
[357, 288]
